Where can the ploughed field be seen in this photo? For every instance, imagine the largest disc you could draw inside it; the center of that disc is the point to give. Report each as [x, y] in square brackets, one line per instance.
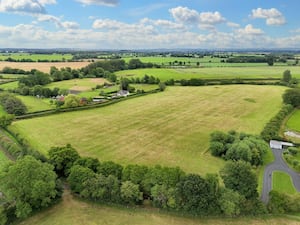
[169, 128]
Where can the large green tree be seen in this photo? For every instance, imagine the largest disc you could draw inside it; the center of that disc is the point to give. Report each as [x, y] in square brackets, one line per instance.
[63, 158]
[30, 184]
[238, 176]
[292, 96]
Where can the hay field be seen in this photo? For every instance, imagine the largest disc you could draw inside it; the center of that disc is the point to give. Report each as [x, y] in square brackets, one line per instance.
[169, 128]
[72, 211]
[44, 67]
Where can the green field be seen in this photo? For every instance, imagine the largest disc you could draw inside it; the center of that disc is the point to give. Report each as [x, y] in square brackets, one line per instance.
[206, 61]
[169, 128]
[2, 111]
[9, 86]
[282, 182]
[294, 121]
[214, 73]
[35, 104]
[36, 57]
[78, 84]
[75, 212]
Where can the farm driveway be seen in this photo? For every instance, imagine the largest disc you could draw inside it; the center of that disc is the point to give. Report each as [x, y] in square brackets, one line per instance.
[278, 165]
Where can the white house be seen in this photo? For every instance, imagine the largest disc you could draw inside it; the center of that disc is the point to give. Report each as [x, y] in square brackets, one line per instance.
[280, 144]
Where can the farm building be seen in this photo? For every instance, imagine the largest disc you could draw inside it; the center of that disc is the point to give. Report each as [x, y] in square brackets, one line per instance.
[280, 144]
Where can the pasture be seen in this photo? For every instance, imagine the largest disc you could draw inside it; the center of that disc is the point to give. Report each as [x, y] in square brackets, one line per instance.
[9, 86]
[72, 211]
[36, 57]
[34, 104]
[294, 121]
[263, 72]
[42, 66]
[282, 182]
[78, 84]
[170, 128]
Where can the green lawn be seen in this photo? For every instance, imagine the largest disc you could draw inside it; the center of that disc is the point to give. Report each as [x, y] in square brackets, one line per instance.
[2, 111]
[214, 72]
[35, 104]
[169, 128]
[294, 121]
[78, 84]
[9, 86]
[75, 212]
[282, 182]
[36, 57]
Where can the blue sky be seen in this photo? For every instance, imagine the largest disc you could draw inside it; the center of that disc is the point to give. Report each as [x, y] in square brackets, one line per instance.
[124, 24]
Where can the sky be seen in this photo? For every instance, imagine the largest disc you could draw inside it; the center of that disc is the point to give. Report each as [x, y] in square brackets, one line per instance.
[142, 24]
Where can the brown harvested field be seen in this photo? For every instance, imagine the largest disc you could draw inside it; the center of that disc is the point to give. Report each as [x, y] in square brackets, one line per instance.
[44, 67]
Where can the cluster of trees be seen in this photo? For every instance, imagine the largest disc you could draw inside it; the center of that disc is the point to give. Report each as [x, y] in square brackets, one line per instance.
[238, 146]
[38, 78]
[292, 97]
[10, 59]
[137, 64]
[63, 73]
[12, 105]
[192, 82]
[28, 185]
[166, 187]
[39, 90]
[269, 59]
[272, 128]
[283, 203]
[9, 70]
[288, 80]
[291, 157]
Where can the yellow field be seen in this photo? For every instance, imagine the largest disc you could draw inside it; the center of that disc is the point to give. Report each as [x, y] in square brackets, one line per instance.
[44, 67]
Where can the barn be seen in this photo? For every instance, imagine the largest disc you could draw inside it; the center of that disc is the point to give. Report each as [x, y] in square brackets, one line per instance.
[280, 144]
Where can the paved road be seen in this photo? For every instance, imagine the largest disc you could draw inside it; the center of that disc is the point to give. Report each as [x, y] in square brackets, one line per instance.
[278, 165]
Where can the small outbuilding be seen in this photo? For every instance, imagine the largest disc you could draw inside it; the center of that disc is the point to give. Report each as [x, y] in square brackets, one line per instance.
[280, 144]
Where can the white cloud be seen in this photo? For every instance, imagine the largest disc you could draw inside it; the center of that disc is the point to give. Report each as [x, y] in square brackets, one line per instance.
[163, 24]
[184, 15]
[25, 6]
[211, 18]
[233, 25]
[250, 30]
[99, 2]
[272, 16]
[57, 21]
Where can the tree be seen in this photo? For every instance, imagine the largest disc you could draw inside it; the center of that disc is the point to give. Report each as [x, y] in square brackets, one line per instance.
[110, 168]
[3, 216]
[6, 120]
[30, 183]
[230, 202]
[292, 96]
[163, 197]
[78, 175]
[63, 158]
[88, 162]
[192, 194]
[12, 104]
[130, 193]
[162, 86]
[72, 101]
[287, 76]
[239, 177]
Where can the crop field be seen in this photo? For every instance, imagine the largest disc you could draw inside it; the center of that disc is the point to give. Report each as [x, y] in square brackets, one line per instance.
[42, 66]
[78, 84]
[294, 121]
[34, 104]
[170, 128]
[36, 57]
[282, 182]
[214, 73]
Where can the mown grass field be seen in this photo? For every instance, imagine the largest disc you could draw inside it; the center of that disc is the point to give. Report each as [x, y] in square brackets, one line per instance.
[170, 128]
[294, 121]
[9, 86]
[34, 104]
[214, 73]
[42, 66]
[36, 57]
[78, 84]
[72, 211]
[282, 182]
